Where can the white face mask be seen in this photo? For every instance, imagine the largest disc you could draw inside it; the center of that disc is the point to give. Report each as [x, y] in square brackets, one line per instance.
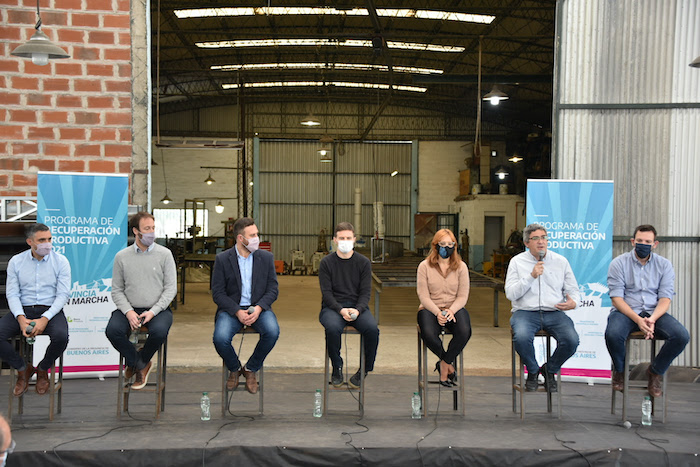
[253, 244]
[345, 246]
[43, 249]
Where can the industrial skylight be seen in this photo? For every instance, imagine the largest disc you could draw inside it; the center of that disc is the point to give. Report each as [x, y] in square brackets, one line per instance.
[325, 42]
[385, 12]
[345, 84]
[326, 66]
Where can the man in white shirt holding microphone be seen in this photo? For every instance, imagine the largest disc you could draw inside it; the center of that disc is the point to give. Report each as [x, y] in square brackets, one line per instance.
[541, 285]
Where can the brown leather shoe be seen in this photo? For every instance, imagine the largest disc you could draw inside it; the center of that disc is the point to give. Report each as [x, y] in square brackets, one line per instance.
[654, 386]
[232, 381]
[42, 381]
[251, 383]
[618, 381]
[142, 377]
[129, 372]
[23, 380]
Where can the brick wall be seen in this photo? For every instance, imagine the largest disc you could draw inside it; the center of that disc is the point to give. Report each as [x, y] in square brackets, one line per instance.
[73, 114]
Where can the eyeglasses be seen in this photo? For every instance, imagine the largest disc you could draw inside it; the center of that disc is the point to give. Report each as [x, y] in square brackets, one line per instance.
[543, 237]
[443, 244]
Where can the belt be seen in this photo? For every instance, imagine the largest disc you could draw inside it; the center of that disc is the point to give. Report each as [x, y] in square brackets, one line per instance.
[37, 307]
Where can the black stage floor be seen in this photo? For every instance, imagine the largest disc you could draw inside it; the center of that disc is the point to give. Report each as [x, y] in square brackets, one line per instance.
[88, 432]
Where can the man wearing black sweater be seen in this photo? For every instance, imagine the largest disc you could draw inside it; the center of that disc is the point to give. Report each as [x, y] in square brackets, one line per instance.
[346, 281]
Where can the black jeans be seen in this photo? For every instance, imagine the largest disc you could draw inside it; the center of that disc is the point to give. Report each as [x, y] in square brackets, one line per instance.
[57, 330]
[461, 330]
[365, 323]
[118, 330]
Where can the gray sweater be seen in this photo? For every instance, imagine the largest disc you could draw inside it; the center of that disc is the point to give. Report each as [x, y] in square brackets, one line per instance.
[144, 279]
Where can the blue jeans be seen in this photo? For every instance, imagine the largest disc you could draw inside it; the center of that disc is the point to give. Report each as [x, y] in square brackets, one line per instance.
[667, 327]
[118, 330]
[228, 326]
[365, 324]
[526, 323]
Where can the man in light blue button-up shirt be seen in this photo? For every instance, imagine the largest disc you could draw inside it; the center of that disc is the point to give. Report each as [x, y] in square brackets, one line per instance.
[38, 286]
[641, 290]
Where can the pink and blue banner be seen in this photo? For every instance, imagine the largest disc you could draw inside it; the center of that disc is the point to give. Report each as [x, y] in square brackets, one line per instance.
[578, 216]
[87, 214]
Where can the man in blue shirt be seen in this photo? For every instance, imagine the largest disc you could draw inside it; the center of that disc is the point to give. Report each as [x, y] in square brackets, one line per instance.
[641, 289]
[38, 286]
[244, 286]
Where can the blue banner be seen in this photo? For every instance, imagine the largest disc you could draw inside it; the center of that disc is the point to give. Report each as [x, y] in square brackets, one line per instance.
[87, 215]
[578, 216]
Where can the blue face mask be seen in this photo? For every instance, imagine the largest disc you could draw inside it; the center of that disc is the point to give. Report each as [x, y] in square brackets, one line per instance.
[446, 251]
[642, 249]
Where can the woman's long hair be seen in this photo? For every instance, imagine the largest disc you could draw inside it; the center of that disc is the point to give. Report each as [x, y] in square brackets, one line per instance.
[433, 256]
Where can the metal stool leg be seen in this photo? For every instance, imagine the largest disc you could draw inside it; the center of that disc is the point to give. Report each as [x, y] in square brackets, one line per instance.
[362, 375]
[325, 381]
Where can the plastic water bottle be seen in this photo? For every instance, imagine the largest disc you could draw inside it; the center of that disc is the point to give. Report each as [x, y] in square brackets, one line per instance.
[30, 328]
[134, 336]
[205, 404]
[318, 402]
[415, 406]
[646, 411]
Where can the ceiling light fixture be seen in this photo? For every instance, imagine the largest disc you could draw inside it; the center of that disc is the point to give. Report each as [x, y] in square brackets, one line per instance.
[495, 96]
[166, 199]
[342, 84]
[209, 180]
[394, 173]
[219, 208]
[335, 43]
[501, 173]
[515, 159]
[39, 48]
[324, 66]
[437, 15]
[695, 63]
[309, 120]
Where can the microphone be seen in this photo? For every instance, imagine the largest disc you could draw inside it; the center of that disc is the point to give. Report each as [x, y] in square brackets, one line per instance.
[251, 309]
[539, 282]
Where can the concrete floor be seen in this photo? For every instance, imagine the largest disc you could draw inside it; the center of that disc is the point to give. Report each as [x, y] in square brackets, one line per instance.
[301, 344]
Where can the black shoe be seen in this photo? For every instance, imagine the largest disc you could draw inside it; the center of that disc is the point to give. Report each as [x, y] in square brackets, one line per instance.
[550, 379]
[531, 382]
[355, 380]
[337, 377]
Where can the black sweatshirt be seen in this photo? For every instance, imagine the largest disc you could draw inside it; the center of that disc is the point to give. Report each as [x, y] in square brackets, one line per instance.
[345, 283]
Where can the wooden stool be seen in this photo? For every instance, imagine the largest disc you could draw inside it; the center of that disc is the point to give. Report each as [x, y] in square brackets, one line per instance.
[158, 387]
[424, 383]
[520, 385]
[224, 378]
[639, 335]
[327, 374]
[55, 392]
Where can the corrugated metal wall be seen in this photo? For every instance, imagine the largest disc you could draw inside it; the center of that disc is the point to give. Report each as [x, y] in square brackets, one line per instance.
[299, 195]
[627, 108]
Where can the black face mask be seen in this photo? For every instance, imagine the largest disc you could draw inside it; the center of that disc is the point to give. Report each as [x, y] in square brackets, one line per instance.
[642, 249]
[446, 251]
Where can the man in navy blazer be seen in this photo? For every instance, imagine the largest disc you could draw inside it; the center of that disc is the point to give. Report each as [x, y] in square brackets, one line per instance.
[244, 286]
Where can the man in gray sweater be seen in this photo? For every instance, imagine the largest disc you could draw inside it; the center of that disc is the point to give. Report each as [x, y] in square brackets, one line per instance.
[144, 282]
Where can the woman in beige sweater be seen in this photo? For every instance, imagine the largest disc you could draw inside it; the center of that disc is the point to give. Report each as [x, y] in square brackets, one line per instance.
[443, 289]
